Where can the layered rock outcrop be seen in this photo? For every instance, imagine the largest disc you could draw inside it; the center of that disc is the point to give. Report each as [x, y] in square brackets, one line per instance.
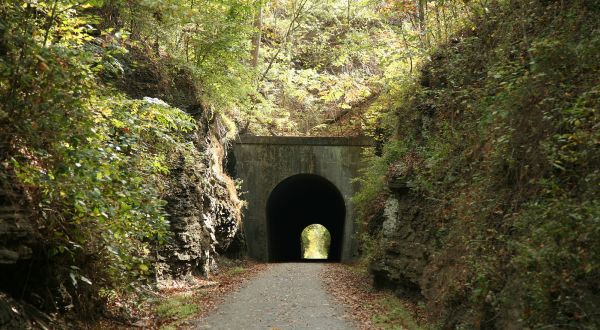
[204, 214]
[16, 232]
[404, 243]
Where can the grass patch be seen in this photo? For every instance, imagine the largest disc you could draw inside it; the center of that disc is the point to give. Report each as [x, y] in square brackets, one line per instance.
[236, 271]
[361, 266]
[168, 327]
[392, 314]
[177, 307]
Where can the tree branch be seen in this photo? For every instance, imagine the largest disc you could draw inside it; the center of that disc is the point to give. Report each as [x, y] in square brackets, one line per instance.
[285, 37]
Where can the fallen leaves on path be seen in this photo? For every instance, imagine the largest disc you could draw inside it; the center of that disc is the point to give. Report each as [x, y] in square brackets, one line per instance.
[351, 285]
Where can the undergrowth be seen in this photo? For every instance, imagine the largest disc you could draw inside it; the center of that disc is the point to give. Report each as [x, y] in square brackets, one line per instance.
[392, 314]
[500, 139]
[177, 307]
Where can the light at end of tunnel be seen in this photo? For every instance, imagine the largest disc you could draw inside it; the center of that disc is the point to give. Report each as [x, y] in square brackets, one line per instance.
[315, 240]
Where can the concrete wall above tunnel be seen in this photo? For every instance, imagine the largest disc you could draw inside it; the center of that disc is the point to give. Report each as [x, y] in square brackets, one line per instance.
[292, 182]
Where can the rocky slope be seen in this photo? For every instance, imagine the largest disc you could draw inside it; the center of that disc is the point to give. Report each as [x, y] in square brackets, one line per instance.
[202, 202]
[489, 210]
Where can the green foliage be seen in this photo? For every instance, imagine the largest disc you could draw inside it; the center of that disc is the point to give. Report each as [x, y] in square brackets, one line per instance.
[236, 271]
[499, 139]
[92, 162]
[373, 176]
[109, 180]
[209, 38]
[392, 314]
[322, 66]
[177, 307]
[557, 248]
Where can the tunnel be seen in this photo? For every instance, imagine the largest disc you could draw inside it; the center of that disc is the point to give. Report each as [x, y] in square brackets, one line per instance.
[297, 202]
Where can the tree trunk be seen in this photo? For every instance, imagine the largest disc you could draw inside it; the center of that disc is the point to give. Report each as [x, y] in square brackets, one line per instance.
[297, 13]
[256, 38]
[421, 4]
[348, 13]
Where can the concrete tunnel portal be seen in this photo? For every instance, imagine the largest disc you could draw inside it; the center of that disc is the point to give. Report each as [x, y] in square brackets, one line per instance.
[294, 204]
[291, 182]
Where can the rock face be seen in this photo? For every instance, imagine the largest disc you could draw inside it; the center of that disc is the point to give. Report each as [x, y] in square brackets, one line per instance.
[204, 214]
[15, 231]
[20, 315]
[18, 266]
[15, 237]
[404, 244]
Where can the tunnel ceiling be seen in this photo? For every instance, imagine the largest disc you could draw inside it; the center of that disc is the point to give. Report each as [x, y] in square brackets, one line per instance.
[297, 202]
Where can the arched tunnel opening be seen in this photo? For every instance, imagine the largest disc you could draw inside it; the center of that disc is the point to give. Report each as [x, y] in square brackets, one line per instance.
[297, 202]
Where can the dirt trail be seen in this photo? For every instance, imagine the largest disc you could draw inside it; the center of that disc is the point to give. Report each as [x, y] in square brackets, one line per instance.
[286, 296]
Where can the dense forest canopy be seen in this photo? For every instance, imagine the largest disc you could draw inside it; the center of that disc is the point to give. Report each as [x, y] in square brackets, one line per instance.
[485, 115]
[322, 65]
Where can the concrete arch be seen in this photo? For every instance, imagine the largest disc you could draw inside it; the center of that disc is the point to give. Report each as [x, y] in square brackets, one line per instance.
[264, 162]
[296, 202]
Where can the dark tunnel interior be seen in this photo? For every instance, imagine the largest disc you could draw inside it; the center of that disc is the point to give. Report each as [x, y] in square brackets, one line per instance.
[297, 202]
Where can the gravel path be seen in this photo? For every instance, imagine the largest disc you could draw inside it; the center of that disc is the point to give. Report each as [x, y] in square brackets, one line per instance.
[285, 296]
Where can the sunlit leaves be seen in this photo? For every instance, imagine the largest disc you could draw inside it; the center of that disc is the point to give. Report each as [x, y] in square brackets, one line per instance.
[328, 66]
[316, 240]
[208, 37]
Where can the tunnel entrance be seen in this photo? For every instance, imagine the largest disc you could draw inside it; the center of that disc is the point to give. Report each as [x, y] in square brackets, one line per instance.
[294, 204]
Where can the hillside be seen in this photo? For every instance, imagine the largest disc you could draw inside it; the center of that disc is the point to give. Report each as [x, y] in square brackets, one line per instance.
[484, 204]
